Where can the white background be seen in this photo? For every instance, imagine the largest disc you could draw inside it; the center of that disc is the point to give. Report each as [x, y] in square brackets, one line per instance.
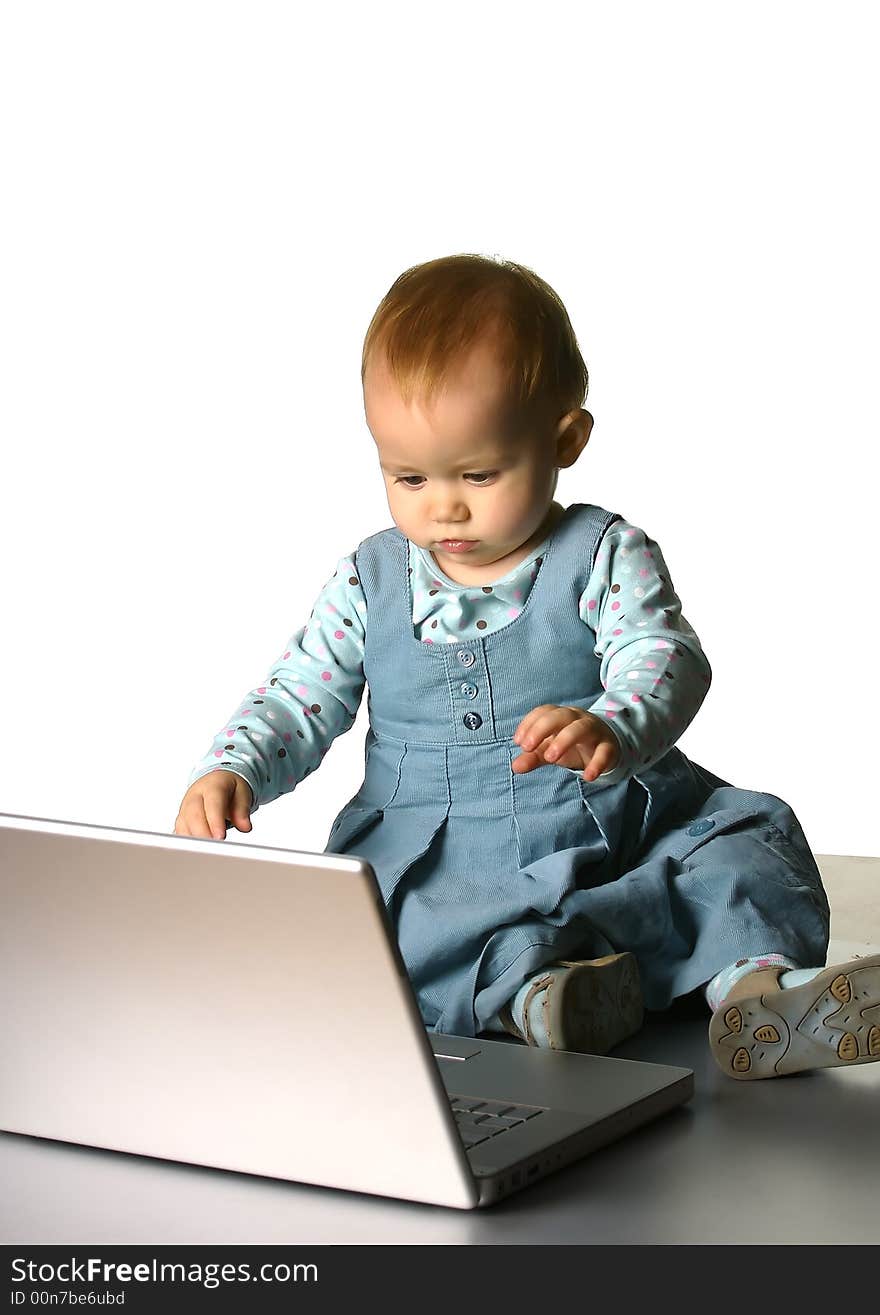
[204, 204]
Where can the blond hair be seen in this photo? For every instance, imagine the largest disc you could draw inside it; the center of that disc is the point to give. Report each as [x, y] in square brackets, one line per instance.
[435, 313]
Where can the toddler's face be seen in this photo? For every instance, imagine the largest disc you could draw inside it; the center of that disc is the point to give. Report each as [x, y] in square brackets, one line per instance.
[468, 470]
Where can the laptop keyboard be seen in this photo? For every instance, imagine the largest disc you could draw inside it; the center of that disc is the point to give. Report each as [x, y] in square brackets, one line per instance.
[478, 1120]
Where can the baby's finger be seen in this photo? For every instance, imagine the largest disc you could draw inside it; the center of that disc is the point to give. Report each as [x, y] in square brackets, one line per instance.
[577, 734]
[600, 762]
[197, 822]
[544, 726]
[241, 806]
[215, 814]
[207, 817]
[531, 758]
[528, 721]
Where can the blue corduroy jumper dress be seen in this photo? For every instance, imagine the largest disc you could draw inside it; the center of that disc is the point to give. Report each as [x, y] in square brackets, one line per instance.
[488, 875]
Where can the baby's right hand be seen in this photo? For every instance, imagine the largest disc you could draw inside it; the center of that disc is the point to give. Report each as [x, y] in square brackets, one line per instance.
[212, 801]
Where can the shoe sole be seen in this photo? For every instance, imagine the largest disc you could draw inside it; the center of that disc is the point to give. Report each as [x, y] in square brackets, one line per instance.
[595, 1006]
[832, 1020]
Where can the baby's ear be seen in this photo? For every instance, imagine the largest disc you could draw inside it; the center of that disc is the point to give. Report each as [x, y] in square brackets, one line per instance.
[572, 436]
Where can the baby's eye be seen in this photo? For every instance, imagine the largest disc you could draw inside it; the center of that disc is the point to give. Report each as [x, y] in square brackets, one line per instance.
[482, 476]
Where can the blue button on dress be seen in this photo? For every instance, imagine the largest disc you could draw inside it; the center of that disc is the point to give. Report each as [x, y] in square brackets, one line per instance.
[488, 874]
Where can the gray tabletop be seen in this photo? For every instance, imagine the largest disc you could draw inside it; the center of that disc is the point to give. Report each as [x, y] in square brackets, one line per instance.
[786, 1160]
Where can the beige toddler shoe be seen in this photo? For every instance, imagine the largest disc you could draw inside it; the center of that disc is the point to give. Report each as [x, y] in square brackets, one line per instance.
[585, 1005]
[833, 1019]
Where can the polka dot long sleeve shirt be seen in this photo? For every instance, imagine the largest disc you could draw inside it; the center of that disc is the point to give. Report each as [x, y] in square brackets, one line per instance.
[653, 670]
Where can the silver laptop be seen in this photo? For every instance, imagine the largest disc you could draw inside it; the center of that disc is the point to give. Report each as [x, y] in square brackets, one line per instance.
[247, 1007]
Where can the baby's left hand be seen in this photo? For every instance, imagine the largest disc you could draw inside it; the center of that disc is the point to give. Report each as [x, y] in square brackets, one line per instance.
[568, 737]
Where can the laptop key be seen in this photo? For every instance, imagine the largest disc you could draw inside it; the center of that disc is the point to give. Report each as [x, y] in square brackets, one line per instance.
[496, 1107]
[497, 1125]
[482, 1111]
[474, 1125]
[500, 1108]
[485, 1128]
